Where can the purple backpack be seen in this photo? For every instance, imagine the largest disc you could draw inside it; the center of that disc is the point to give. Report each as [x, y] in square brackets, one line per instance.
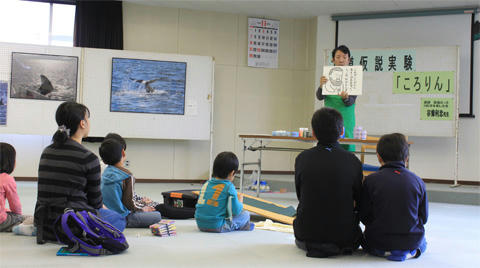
[83, 231]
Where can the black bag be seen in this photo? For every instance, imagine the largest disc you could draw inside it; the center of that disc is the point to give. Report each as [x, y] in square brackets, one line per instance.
[178, 204]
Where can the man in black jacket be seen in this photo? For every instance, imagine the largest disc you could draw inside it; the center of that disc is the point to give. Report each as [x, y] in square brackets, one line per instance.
[328, 182]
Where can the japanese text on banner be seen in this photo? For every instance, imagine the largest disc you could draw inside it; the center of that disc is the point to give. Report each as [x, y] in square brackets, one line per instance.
[423, 82]
[436, 109]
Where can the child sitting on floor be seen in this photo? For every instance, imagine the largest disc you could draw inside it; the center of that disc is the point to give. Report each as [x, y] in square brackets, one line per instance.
[140, 201]
[11, 218]
[219, 207]
[117, 187]
[394, 204]
[328, 183]
[69, 174]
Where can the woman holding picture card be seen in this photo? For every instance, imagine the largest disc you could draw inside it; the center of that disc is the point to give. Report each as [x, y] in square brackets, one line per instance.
[342, 102]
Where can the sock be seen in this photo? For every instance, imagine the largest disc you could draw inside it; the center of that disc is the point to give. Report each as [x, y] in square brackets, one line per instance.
[252, 226]
[25, 229]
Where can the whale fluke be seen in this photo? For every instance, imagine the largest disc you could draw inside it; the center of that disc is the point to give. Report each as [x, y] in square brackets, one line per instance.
[147, 83]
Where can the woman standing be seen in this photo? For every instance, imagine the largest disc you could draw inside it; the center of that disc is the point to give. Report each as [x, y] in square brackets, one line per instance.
[342, 102]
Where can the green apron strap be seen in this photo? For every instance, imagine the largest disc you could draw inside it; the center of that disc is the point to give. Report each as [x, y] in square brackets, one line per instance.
[348, 114]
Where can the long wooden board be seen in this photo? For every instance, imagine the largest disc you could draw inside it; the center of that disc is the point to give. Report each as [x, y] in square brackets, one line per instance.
[253, 204]
[266, 213]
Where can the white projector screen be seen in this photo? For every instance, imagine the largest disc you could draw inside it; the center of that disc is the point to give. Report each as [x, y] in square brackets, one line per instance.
[426, 31]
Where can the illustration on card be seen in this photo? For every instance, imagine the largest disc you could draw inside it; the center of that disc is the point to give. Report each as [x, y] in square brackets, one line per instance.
[343, 78]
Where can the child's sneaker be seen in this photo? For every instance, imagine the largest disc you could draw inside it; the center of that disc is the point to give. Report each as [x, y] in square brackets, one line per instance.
[249, 226]
[25, 229]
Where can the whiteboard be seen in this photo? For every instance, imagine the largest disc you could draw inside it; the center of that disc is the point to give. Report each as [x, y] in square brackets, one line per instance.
[379, 111]
[444, 30]
[193, 125]
[28, 116]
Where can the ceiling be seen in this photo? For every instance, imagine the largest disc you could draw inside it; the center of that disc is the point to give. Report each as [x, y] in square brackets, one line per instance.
[308, 9]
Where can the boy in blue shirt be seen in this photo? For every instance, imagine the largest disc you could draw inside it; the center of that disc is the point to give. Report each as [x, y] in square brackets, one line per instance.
[394, 204]
[219, 207]
[118, 187]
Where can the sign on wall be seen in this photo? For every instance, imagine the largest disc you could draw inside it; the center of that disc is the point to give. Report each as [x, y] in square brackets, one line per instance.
[436, 109]
[440, 82]
[383, 60]
[263, 43]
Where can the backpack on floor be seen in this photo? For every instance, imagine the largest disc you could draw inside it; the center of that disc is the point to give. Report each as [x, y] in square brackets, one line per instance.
[178, 204]
[84, 232]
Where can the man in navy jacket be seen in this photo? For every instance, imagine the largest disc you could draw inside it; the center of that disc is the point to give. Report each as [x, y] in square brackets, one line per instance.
[394, 204]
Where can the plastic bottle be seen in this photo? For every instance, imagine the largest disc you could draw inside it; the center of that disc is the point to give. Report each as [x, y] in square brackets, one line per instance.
[364, 134]
[357, 132]
[252, 180]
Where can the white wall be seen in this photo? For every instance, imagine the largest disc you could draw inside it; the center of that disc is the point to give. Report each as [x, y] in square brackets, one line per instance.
[325, 41]
[247, 100]
[432, 158]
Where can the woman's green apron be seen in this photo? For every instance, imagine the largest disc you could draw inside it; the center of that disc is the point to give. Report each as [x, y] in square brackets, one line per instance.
[348, 114]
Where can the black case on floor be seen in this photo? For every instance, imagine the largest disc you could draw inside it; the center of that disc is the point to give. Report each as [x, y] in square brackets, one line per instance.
[178, 204]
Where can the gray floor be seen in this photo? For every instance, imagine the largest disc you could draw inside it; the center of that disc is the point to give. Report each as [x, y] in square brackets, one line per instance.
[453, 239]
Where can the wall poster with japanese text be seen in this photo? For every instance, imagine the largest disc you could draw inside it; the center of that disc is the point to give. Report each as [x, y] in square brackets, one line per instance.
[382, 60]
[436, 109]
[438, 82]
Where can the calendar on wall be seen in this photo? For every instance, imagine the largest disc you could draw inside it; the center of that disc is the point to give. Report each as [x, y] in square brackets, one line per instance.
[263, 43]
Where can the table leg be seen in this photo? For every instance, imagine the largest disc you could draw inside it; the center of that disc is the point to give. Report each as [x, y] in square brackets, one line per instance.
[259, 168]
[242, 167]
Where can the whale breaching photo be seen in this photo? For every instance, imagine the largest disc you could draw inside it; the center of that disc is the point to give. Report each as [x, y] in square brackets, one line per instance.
[3, 102]
[44, 77]
[148, 86]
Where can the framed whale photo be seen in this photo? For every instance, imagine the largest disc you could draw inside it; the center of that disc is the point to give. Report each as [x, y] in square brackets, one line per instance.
[44, 77]
[3, 102]
[148, 86]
